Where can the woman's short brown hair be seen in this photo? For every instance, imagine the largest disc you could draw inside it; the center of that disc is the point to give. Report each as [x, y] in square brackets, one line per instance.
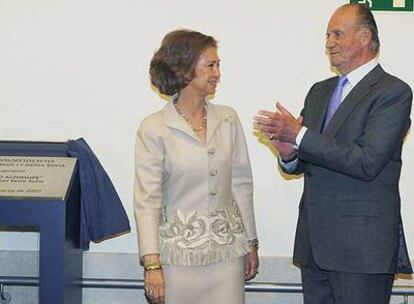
[173, 65]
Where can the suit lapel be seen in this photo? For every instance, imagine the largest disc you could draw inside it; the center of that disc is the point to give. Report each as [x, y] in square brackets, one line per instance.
[356, 95]
[213, 120]
[173, 120]
[317, 109]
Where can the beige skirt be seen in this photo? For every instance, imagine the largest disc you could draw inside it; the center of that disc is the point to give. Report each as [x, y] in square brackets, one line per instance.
[216, 283]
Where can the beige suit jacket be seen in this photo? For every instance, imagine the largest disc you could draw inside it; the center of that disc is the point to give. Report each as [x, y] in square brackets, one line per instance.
[193, 202]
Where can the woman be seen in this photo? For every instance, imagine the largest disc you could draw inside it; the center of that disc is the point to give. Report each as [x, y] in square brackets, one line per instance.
[193, 185]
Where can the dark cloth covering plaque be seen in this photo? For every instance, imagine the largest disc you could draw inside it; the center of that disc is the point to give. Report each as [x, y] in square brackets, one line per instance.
[102, 213]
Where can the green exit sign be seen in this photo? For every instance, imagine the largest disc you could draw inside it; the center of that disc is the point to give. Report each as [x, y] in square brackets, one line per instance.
[387, 5]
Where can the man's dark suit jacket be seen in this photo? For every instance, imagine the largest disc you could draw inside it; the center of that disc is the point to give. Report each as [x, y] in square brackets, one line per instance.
[350, 208]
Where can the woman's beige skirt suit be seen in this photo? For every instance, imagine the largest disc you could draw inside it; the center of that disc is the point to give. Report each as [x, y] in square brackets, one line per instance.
[194, 204]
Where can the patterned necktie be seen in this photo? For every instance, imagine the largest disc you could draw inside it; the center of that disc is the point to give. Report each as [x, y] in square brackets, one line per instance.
[335, 101]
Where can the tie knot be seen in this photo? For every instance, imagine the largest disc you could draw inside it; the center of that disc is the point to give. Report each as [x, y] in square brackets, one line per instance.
[342, 81]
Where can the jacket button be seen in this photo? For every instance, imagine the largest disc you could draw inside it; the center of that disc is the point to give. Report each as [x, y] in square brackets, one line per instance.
[213, 172]
[213, 192]
[308, 174]
[211, 150]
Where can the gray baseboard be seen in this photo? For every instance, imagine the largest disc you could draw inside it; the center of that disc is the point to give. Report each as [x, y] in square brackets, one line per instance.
[125, 266]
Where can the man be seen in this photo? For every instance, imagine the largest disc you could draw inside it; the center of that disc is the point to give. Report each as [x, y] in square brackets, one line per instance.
[347, 142]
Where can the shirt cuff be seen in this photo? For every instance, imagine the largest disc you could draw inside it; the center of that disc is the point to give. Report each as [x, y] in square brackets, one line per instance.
[290, 165]
[299, 138]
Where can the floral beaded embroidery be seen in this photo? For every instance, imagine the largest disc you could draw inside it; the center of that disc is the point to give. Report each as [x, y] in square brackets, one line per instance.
[195, 239]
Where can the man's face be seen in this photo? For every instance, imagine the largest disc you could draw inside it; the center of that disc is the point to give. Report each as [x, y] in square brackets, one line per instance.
[344, 41]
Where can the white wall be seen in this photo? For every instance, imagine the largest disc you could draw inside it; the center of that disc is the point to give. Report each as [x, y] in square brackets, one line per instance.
[71, 68]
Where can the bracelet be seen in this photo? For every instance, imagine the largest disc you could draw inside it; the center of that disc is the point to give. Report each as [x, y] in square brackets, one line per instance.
[152, 266]
[253, 243]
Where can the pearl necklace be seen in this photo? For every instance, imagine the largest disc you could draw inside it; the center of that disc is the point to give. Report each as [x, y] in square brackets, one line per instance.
[203, 123]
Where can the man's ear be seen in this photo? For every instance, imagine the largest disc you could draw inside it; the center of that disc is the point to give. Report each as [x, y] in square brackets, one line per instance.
[365, 37]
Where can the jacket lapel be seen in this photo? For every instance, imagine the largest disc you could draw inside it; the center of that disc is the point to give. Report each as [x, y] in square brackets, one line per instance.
[173, 120]
[317, 109]
[357, 94]
[213, 120]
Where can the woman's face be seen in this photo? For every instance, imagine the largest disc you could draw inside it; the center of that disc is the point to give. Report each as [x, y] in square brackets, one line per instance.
[207, 73]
